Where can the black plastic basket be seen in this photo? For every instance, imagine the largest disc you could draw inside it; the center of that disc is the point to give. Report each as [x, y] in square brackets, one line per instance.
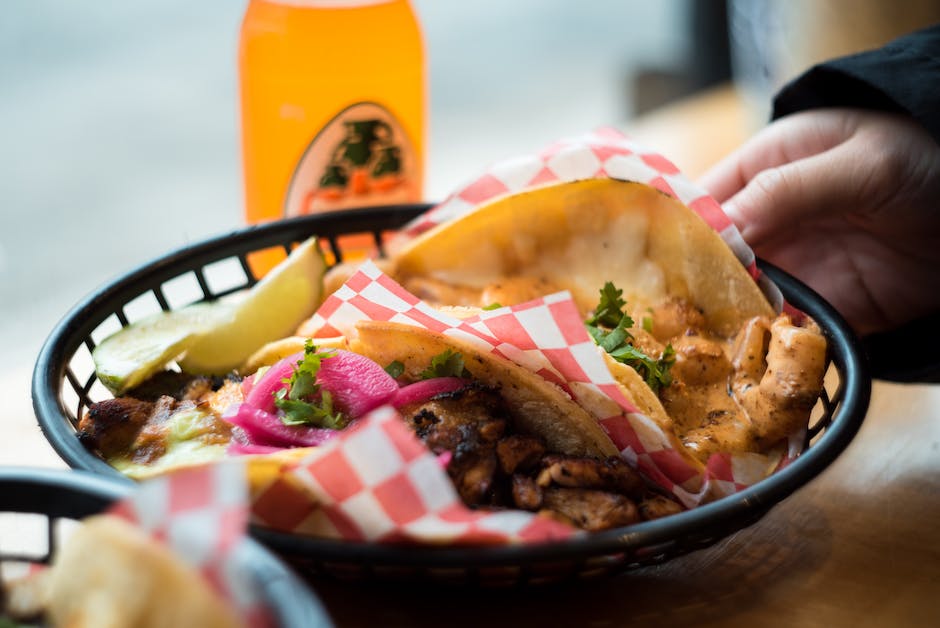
[65, 495]
[839, 414]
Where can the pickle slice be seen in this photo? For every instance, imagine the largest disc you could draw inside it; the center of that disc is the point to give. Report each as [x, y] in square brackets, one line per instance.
[130, 356]
[215, 338]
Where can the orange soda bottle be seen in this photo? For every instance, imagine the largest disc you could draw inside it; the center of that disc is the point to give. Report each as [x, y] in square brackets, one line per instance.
[333, 99]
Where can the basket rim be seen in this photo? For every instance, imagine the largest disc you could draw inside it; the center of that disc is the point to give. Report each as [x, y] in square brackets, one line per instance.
[705, 523]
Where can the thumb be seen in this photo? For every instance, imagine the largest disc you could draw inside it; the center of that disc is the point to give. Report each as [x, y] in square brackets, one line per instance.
[782, 196]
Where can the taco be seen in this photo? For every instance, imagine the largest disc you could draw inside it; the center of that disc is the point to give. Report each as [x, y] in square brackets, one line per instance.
[577, 236]
[686, 329]
[506, 437]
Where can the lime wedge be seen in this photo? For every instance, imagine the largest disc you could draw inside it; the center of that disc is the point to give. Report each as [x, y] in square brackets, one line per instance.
[130, 356]
[272, 309]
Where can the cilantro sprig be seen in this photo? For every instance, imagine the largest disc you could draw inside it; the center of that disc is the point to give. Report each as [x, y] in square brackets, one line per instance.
[609, 326]
[448, 363]
[303, 402]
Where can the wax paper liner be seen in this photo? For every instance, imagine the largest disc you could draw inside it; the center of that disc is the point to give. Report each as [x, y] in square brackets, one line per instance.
[201, 514]
[377, 482]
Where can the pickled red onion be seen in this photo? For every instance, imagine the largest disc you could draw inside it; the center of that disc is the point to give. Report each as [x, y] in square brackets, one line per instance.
[246, 449]
[425, 389]
[267, 429]
[356, 383]
[261, 395]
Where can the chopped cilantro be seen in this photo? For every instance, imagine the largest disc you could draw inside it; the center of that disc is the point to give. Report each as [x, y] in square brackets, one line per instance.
[609, 311]
[655, 372]
[445, 364]
[303, 402]
[492, 306]
[396, 369]
[609, 326]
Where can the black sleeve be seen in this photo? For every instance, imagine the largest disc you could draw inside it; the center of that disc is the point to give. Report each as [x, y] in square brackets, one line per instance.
[902, 77]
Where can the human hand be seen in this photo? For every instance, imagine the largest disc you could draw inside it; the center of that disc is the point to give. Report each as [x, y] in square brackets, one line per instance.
[849, 202]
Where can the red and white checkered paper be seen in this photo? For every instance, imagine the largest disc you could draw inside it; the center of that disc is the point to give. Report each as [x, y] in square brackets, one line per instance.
[201, 514]
[379, 482]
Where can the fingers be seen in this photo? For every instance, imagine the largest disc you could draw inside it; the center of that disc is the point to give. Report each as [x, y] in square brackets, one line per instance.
[781, 197]
[785, 141]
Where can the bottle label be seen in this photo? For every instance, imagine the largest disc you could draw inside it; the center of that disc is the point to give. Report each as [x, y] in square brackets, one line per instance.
[361, 157]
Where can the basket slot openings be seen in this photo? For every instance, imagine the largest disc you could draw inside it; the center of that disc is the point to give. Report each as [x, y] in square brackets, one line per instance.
[355, 246]
[227, 276]
[161, 298]
[142, 306]
[246, 268]
[107, 327]
[25, 537]
[74, 396]
[81, 367]
[201, 281]
[335, 251]
[261, 261]
[183, 290]
[823, 411]
[60, 531]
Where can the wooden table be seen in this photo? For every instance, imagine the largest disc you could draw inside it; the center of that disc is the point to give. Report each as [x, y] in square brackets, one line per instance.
[860, 545]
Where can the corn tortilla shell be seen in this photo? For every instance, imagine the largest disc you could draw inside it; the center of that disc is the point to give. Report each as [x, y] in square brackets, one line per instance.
[582, 234]
[537, 406]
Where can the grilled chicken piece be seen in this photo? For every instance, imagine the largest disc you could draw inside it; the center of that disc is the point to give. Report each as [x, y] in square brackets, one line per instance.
[610, 474]
[138, 429]
[777, 390]
[468, 423]
[519, 452]
[658, 506]
[591, 510]
[492, 468]
[673, 318]
[526, 493]
[110, 426]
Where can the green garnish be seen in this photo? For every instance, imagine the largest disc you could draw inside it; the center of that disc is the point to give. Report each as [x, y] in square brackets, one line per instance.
[609, 311]
[655, 372]
[303, 402]
[492, 306]
[396, 369]
[445, 364]
[609, 327]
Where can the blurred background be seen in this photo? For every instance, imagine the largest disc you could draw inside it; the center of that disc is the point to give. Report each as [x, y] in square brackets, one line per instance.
[119, 128]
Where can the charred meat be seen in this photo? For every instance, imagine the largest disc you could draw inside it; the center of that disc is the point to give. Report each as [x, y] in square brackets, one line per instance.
[493, 466]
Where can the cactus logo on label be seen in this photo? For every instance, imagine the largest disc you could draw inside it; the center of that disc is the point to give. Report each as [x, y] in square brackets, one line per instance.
[361, 157]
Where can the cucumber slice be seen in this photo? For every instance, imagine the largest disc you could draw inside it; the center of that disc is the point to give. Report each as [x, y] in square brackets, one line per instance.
[130, 356]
